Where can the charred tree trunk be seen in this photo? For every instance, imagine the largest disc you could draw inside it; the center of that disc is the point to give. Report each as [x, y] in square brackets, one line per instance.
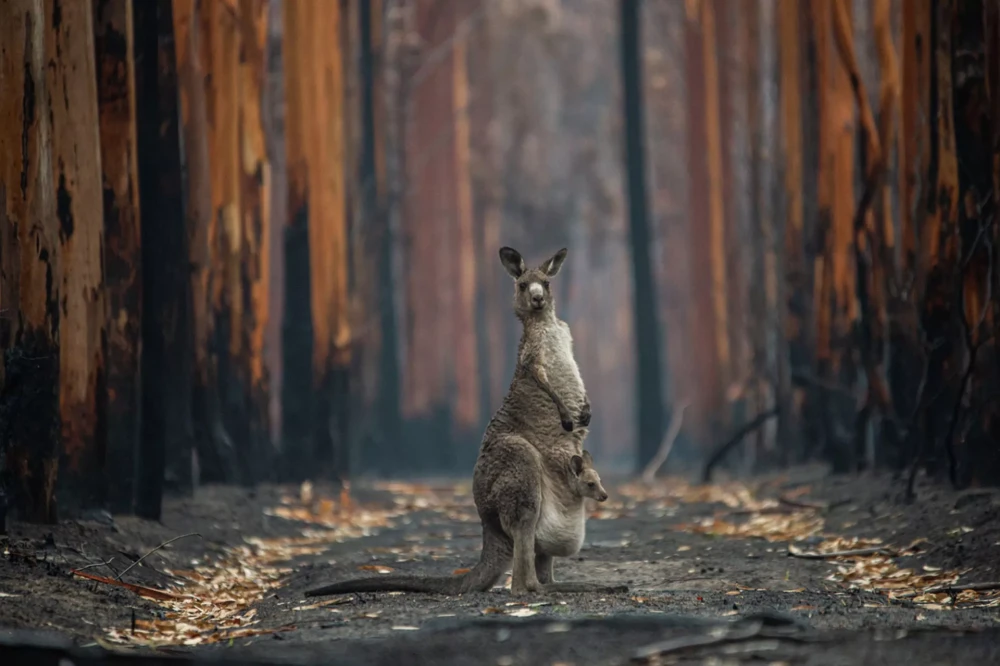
[29, 270]
[76, 174]
[316, 335]
[166, 335]
[215, 451]
[649, 389]
[384, 420]
[122, 247]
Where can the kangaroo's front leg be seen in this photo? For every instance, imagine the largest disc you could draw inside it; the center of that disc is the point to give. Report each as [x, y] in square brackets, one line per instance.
[541, 378]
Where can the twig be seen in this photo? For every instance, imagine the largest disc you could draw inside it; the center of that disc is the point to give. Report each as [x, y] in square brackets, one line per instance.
[141, 590]
[100, 564]
[958, 587]
[165, 543]
[857, 552]
[733, 441]
[667, 444]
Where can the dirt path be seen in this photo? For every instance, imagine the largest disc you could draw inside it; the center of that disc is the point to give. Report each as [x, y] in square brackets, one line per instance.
[693, 558]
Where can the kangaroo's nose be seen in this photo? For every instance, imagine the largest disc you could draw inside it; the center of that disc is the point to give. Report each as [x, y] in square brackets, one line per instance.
[537, 299]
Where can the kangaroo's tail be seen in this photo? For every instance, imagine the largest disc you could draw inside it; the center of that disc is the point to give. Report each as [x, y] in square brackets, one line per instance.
[492, 563]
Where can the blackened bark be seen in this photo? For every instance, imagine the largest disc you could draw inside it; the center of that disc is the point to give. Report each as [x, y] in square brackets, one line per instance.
[166, 335]
[649, 390]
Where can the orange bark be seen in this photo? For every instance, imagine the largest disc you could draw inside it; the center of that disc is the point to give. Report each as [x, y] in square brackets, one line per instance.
[716, 221]
[466, 363]
[220, 49]
[255, 182]
[315, 93]
[191, 67]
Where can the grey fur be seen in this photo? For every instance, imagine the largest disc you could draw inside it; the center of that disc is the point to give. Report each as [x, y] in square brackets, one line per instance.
[532, 475]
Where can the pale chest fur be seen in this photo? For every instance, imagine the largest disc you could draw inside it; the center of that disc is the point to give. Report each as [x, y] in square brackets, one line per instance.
[561, 529]
[557, 347]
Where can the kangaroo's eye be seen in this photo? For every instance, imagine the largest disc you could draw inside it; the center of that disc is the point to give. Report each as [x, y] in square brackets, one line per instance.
[522, 286]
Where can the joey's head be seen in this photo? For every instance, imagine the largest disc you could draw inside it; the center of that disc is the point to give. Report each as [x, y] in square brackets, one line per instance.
[532, 295]
[586, 478]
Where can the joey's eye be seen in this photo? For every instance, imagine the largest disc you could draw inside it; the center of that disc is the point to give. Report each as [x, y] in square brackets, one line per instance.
[590, 484]
[522, 286]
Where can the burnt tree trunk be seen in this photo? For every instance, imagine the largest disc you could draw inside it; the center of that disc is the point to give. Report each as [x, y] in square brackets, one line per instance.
[166, 429]
[122, 247]
[76, 174]
[648, 342]
[29, 271]
[215, 451]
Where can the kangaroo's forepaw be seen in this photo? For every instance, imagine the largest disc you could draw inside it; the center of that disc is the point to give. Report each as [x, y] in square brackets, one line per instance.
[585, 415]
[567, 424]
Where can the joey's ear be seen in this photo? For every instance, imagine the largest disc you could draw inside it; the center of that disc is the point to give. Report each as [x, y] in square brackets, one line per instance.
[576, 464]
[587, 460]
[512, 261]
[552, 266]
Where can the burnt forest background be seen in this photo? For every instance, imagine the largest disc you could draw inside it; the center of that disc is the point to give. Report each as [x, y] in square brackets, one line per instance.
[255, 240]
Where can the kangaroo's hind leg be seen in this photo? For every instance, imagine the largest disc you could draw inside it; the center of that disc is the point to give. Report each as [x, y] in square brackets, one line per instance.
[543, 568]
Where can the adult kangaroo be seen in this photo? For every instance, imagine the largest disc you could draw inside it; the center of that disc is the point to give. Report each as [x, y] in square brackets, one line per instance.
[526, 482]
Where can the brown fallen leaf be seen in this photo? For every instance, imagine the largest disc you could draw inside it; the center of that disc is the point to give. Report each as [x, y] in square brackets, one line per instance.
[459, 572]
[378, 568]
[803, 607]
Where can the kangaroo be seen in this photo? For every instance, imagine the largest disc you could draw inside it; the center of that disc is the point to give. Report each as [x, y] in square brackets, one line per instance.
[532, 473]
[582, 482]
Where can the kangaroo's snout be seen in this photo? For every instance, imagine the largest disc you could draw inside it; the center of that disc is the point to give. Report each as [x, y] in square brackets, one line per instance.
[602, 496]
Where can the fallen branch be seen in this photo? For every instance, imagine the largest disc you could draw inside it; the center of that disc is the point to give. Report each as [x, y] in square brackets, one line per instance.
[649, 473]
[818, 506]
[793, 551]
[733, 441]
[958, 587]
[165, 543]
[142, 591]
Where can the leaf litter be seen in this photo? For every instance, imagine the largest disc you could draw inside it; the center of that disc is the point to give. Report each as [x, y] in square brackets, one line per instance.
[876, 571]
[213, 600]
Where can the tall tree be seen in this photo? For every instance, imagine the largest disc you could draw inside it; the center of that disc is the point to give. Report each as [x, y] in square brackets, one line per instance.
[113, 36]
[215, 449]
[76, 174]
[166, 334]
[29, 269]
[649, 389]
[316, 307]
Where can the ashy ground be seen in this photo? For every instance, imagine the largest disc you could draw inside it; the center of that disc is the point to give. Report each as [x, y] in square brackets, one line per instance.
[727, 574]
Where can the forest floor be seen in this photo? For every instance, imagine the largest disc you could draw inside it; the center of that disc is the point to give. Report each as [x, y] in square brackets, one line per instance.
[710, 575]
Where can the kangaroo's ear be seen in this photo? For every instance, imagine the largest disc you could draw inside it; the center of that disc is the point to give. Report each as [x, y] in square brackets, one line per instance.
[552, 266]
[512, 261]
[576, 464]
[587, 460]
